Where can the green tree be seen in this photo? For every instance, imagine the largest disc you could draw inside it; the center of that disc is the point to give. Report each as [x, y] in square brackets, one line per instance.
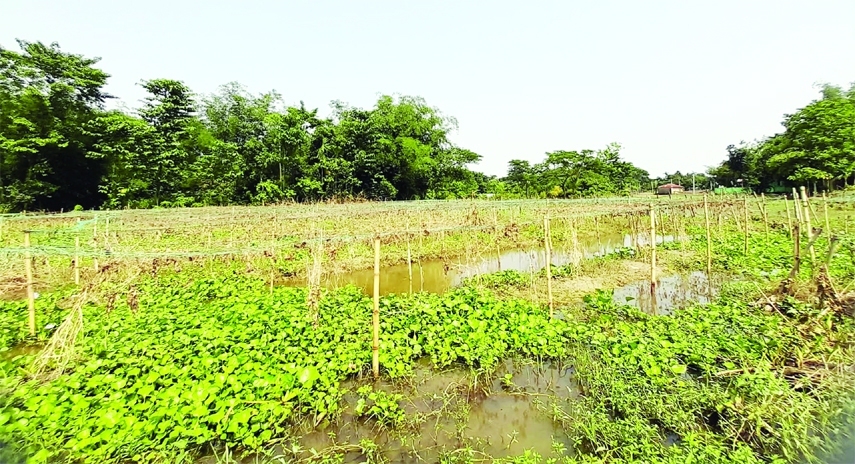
[48, 96]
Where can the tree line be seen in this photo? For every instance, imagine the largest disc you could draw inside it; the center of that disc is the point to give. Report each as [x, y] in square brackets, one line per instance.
[816, 148]
[60, 147]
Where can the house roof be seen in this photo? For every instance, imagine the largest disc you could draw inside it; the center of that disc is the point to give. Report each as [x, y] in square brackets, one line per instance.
[670, 186]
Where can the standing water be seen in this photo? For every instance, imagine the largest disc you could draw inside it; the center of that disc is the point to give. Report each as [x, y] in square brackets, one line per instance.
[438, 276]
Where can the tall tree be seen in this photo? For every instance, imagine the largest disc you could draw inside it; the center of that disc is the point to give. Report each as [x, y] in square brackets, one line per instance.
[48, 96]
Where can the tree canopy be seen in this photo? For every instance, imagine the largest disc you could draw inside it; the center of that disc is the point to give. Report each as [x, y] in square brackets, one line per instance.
[817, 147]
[60, 147]
[582, 173]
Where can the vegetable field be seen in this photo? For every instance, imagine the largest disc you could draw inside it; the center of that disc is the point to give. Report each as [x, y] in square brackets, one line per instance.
[249, 334]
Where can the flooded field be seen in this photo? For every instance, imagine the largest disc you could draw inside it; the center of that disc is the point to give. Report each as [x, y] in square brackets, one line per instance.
[438, 276]
[671, 292]
[505, 414]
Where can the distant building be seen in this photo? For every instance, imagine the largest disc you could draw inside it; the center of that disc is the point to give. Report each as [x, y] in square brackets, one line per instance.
[669, 189]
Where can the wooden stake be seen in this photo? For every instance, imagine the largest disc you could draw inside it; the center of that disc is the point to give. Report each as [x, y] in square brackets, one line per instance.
[31, 298]
[745, 210]
[95, 245]
[77, 260]
[765, 215]
[652, 249]
[498, 257]
[546, 239]
[806, 215]
[409, 260]
[375, 346]
[709, 240]
[597, 226]
[789, 217]
[825, 210]
[796, 207]
[797, 250]
[421, 269]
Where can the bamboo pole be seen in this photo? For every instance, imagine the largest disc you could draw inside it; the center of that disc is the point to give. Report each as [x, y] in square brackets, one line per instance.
[825, 211]
[498, 257]
[797, 250]
[375, 345]
[789, 217]
[77, 260]
[796, 207]
[548, 245]
[745, 210]
[95, 246]
[806, 214]
[763, 210]
[421, 268]
[597, 226]
[409, 260]
[31, 298]
[709, 239]
[652, 249]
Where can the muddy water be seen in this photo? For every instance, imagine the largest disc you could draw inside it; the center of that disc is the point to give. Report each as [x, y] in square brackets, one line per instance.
[438, 276]
[671, 293]
[493, 417]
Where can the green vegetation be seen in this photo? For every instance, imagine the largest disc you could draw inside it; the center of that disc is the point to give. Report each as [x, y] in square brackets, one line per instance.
[816, 148]
[209, 359]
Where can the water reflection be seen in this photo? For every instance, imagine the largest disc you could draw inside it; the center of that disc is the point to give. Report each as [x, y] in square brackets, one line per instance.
[438, 276]
[671, 292]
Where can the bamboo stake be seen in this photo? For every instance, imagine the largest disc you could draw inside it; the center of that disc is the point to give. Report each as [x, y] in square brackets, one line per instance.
[789, 217]
[421, 268]
[745, 210]
[546, 239]
[498, 257]
[375, 346]
[806, 214]
[31, 298]
[797, 250]
[796, 207]
[763, 210]
[409, 260]
[825, 211]
[77, 260]
[709, 240]
[652, 249]
[95, 245]
[597, 226]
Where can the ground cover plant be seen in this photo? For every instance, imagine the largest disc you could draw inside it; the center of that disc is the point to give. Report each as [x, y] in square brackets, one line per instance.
[179, 362]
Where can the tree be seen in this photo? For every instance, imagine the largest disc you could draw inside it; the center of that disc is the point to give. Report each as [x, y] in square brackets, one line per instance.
[48, 96]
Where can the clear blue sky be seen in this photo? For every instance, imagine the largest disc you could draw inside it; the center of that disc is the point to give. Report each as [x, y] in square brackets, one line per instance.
[674, 82]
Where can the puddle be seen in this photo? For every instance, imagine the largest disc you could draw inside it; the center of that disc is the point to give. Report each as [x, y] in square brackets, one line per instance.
[671, 293]
[498, 418]
[438, 276]
[455, 410]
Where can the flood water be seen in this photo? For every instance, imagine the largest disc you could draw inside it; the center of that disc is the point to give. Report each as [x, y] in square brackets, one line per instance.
[438, 276]
[492, 417]
[671, 293]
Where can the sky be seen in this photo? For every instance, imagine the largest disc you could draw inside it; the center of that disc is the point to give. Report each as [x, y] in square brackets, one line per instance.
[674, 82]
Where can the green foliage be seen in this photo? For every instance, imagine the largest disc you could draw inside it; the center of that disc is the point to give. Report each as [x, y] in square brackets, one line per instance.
[816, 147]
[225, 361]
[58, 147]
[574, 174]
